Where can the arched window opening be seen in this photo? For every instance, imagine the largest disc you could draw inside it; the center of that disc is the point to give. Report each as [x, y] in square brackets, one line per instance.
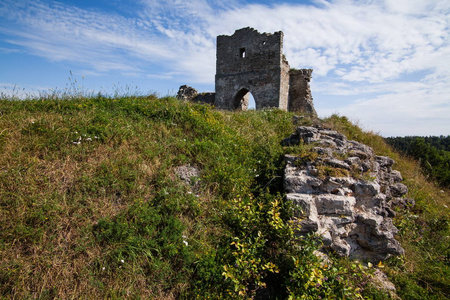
[244, 100]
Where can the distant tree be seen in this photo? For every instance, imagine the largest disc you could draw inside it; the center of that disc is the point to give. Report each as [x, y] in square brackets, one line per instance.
[433, 153]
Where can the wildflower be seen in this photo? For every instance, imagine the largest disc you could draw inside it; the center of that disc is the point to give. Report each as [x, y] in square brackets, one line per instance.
[122, 261]
[88, 139]
[186, 243]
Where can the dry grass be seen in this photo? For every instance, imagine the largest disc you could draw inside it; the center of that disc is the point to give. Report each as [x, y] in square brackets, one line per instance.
[88, 183]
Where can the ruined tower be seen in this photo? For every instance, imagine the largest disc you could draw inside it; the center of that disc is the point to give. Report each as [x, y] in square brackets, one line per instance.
[251, 62]
[300, 99]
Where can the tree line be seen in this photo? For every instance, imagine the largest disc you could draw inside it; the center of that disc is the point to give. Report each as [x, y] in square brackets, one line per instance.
[432, 152]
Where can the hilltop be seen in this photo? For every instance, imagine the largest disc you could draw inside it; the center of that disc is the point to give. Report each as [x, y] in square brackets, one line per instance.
[95, 203]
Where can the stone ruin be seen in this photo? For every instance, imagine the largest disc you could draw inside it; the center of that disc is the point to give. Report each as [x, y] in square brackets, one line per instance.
[346, 195]
[252, 62]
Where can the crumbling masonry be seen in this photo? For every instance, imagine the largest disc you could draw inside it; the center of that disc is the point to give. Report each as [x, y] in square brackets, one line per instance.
[253, 62]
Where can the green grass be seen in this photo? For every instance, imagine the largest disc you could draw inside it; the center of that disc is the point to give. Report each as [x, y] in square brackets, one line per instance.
[91, 207]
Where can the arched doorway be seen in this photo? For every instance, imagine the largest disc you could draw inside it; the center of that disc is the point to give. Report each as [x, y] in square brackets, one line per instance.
[244, 100]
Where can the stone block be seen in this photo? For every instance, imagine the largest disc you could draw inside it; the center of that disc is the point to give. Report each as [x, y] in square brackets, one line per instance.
[329, 204]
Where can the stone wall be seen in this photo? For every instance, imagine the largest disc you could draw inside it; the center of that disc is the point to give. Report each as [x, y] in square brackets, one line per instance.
[300, 99]
[248, 61]
[187, 93]
[346, 195]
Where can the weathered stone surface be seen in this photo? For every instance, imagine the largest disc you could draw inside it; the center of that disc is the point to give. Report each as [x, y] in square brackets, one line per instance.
[398, 189]
[366, 188]
[186, 93]
[252, 62]
[385, 161]
[300, 99]
[395, 176]
[382, 282]
[205, 98]
[249, 62]
[337, 163]
[353, 216]
[304, 203]
[302, 183]
[328, 204]
[188, 174]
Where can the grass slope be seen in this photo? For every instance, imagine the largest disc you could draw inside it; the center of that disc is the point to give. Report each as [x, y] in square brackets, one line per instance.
[91, 207]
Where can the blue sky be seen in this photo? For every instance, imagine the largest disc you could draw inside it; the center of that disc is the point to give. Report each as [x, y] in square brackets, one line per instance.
[384, 64]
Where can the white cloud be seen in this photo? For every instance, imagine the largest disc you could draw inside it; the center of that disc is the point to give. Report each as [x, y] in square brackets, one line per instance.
[364, 49]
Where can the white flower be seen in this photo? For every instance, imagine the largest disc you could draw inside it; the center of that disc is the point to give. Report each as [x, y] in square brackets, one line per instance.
[88, 139]
[186, 243]
[122, 261]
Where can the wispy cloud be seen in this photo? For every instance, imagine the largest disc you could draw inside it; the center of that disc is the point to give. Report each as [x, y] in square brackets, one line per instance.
[384, 52]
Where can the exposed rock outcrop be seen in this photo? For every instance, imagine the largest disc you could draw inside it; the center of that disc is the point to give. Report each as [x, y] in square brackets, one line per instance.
[187, 93]
[344, 194]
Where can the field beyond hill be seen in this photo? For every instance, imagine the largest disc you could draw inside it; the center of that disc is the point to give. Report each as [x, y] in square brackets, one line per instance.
[93, 206]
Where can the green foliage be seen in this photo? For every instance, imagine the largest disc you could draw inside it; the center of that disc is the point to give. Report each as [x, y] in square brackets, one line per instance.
[91, 206]
[433, 154]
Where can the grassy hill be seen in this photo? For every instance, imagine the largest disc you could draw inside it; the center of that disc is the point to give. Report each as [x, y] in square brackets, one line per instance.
[91, 206]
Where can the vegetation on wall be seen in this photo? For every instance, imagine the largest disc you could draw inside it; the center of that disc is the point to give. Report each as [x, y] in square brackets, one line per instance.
[91, 207]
